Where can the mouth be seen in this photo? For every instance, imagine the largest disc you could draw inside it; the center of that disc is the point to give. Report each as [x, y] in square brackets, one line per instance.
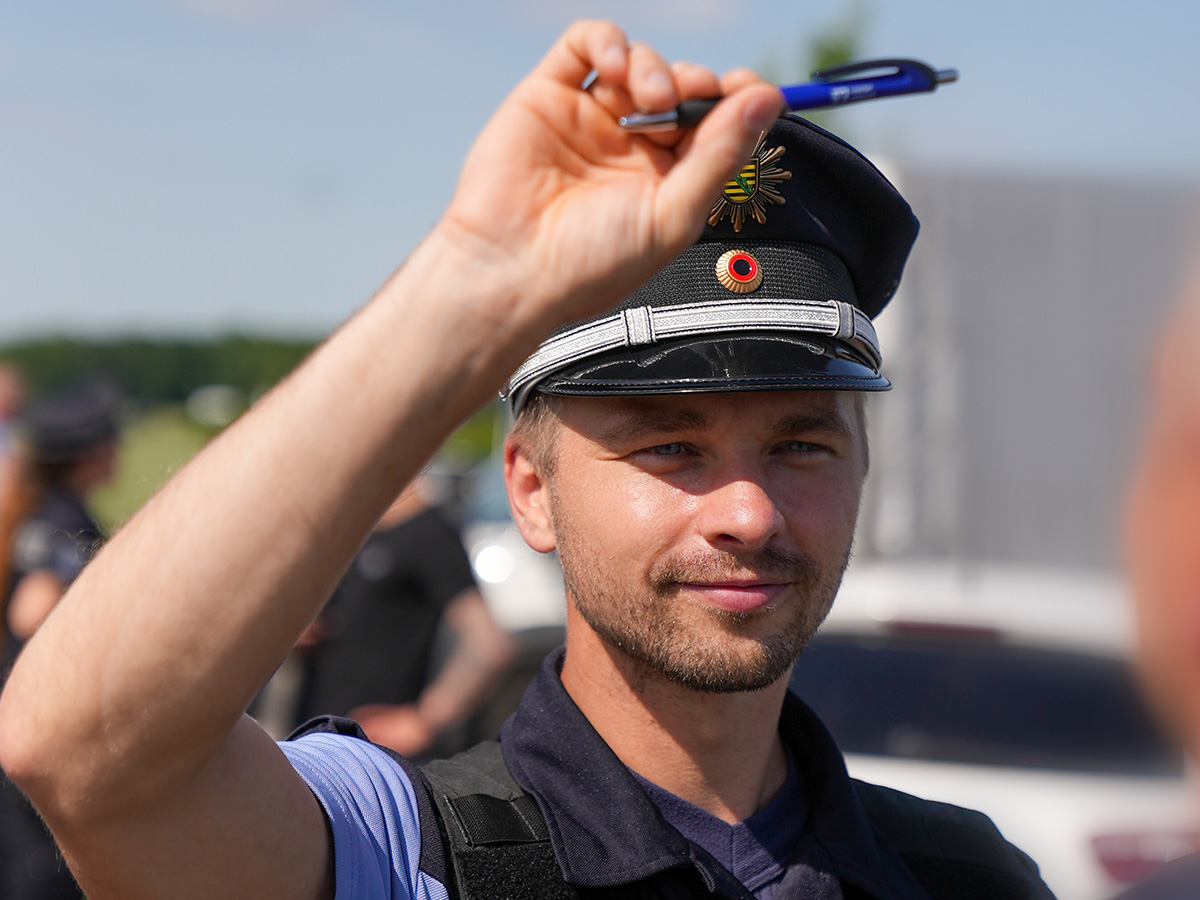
[737, 596]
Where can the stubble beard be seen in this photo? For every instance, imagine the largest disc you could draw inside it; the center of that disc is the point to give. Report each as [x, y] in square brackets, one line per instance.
[699, 647]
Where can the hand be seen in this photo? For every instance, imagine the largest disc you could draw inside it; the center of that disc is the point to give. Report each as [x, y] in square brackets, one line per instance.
[581, 212]
[313, 636]
[399, 727]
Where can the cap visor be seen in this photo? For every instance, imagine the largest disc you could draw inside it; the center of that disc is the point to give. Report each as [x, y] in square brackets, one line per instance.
[760, 362]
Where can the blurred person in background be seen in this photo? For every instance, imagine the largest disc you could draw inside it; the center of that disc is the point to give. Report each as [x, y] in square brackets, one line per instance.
[12, 488]
[67, 450]
[1163, 549]
[375, 660]
[12, 398]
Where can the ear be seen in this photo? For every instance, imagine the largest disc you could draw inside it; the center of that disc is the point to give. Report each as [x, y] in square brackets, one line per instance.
[528, 497]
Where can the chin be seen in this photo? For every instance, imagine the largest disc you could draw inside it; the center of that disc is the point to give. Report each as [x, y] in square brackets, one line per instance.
[720, 664]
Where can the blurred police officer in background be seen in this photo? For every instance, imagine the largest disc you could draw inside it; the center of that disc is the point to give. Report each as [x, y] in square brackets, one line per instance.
[374, 659]
[1163, 543]
[12, 486]
[696, 459]
[67, 450]
[12, 398]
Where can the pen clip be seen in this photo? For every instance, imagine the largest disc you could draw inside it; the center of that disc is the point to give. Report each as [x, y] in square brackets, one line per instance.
[913, 68]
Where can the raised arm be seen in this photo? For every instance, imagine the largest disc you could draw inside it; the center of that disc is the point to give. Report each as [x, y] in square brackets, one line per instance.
[124, 718]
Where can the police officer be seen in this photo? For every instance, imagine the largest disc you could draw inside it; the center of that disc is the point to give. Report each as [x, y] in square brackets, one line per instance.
[68, 450]
[695, 457]
[70, 441]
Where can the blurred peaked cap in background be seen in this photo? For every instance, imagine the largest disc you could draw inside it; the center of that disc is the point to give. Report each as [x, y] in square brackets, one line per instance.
[805, 245]
[64, 426]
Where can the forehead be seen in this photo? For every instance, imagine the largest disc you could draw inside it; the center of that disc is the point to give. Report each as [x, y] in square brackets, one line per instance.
[598, 415]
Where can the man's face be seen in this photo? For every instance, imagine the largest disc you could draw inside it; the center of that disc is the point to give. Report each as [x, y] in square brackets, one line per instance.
[705, 535]
[1163, 531]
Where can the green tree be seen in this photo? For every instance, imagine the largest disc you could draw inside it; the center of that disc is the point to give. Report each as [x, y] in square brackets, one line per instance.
[158, 371]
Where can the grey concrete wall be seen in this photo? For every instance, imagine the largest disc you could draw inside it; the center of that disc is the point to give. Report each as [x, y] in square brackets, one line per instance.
[1019, 347]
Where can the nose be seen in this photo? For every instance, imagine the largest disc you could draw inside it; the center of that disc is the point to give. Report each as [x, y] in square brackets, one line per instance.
[740, 514]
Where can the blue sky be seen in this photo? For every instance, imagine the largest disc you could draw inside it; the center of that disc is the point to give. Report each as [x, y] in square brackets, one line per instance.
[192, 166]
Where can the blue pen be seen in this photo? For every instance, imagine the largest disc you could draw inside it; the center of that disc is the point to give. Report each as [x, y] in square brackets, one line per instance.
[829, 87]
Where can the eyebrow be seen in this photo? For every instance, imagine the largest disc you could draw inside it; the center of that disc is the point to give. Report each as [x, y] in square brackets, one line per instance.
[654, 422]
[827, 420]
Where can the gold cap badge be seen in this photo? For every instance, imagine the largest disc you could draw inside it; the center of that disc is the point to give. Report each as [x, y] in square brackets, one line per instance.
[738, 271]
[749, 192]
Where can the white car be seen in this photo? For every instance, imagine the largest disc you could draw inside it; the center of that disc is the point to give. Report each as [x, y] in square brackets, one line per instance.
[1008, 691]
[523, 588]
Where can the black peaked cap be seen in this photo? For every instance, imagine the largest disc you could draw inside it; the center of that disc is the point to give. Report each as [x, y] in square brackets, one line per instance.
[803, 248]
[66, 426]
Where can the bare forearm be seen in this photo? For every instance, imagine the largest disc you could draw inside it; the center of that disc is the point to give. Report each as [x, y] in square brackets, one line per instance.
[482, 653]
[207, 588]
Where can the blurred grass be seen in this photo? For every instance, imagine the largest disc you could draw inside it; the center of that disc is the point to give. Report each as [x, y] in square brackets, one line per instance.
[475, 439]
[156, 443]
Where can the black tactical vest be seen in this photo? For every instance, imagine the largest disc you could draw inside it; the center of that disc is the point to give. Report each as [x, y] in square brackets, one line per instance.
[494, 842]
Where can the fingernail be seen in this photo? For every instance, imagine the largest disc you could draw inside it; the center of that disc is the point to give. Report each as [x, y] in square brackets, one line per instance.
[760, 113]
[614, 57]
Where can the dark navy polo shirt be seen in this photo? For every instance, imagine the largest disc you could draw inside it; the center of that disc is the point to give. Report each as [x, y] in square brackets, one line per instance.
[759, 850]
[606, 830]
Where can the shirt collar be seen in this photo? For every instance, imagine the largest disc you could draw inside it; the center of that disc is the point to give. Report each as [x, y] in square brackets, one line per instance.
[606, 831]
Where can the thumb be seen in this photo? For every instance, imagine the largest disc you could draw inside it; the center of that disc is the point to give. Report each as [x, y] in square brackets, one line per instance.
[720, 145]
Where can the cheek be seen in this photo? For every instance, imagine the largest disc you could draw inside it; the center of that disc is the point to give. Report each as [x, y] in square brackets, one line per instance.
[1163, 549]
[822, 510]
[625, 516]
[1163, 535]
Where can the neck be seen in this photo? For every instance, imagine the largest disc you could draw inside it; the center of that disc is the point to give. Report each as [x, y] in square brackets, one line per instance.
[720, 752]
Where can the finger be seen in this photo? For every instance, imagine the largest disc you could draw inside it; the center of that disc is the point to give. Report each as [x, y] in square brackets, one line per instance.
[692, 80]
[732, 81]
[655, 82]
[613, 97]
[585, 46]
[721, 144]
[736, 79]
[650, 83]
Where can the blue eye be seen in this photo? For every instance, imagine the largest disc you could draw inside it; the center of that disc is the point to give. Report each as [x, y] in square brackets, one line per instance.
[667, 449]
[802, 447]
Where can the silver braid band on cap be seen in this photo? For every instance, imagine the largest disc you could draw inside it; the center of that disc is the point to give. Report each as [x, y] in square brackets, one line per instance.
[642, 325]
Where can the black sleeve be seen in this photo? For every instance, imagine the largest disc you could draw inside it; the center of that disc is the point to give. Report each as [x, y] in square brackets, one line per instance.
[443, 564]
[41, 545]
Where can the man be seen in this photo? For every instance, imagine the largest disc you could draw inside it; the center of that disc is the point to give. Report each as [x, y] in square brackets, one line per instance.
[1163, 546]
[702, 524]
[411, 575]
